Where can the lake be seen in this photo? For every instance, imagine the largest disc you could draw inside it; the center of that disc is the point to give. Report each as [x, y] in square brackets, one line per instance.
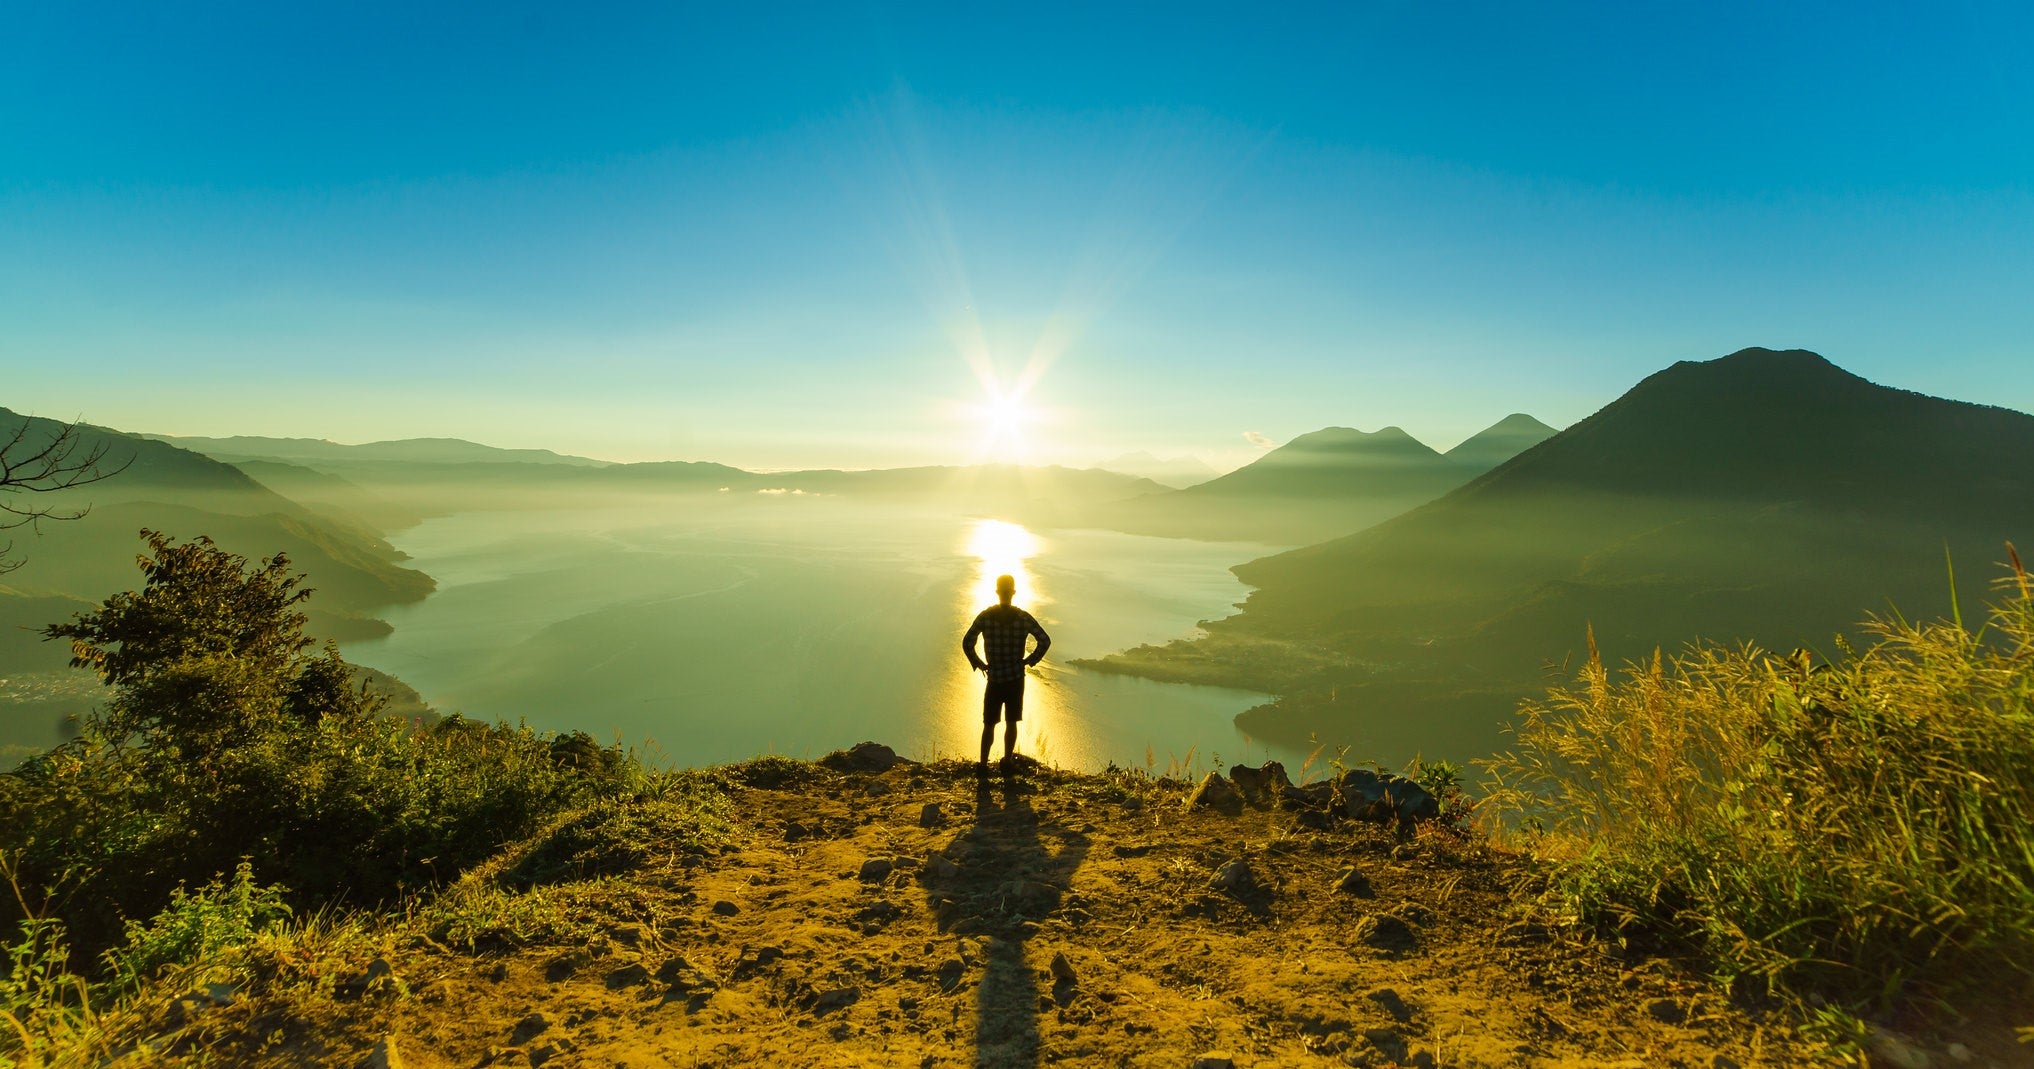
[715, 630]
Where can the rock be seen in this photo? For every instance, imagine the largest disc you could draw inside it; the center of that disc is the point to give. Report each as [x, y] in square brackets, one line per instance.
[1062, 970]
[876, 869]
[1959, 1053]
[876, 788]
[1388, 1042]
[864, 757]
[1263, 784]
[1897, 1050]
[838, 998]
[529, 1028]
[628, 935]
[726, 908]
[1132, 804]
[561, 968]
[1215, 793]
[1392, 1004]
[1667, 1011]
[1382, 797]
[930, 816]
[1721, 1062]
[794, 831]
[1215, 1059]
[684, 977]
[1386, 932]
[1235, 878]
[754, 959]
[950, 972]
[628, 976]
[938, 867]
[1350, 881]
[384, 1055]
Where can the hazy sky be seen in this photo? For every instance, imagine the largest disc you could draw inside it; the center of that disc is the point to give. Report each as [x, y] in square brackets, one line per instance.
[789, 236]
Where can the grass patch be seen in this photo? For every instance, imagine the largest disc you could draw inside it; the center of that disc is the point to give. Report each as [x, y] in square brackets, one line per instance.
[1861, 828]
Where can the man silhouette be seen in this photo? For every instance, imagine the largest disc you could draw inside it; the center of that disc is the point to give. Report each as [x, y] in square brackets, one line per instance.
[1002, 628]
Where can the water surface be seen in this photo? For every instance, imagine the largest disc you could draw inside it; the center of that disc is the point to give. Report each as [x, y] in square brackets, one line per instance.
[716, 630]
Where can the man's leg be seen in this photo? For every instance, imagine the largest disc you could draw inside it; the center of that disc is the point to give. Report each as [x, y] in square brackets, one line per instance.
[1013, 702]
[989, 705]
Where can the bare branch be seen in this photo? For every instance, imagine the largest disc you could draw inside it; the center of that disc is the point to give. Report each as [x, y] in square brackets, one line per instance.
[29, 463]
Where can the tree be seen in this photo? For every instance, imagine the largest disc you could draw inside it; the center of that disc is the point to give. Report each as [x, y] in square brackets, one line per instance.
[210, 652]
[43, 456]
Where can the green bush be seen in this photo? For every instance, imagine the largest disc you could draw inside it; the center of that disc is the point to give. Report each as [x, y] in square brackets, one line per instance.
[195, 926]
[228, 741]
[1863, 828]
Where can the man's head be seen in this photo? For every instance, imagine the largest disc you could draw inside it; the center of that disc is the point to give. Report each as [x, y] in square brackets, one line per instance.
[1006, 588]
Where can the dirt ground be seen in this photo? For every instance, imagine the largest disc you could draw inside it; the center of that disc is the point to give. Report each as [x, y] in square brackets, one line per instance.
[925, 917]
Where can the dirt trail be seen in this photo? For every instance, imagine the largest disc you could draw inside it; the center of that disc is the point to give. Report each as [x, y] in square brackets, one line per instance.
[1044, 919]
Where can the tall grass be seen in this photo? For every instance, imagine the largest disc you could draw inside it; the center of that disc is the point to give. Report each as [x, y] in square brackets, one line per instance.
[1862, 828]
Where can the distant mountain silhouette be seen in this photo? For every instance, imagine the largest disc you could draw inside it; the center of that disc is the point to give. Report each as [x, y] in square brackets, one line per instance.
[1766, 496]
[187, 494]
[1173, 472]
[1324, 484]
[407, 450]
[1499, 442]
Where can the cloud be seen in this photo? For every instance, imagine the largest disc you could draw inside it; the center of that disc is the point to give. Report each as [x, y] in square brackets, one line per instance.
[1258, 440]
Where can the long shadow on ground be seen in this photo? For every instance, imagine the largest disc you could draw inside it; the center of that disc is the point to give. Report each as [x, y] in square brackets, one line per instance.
[999, 878]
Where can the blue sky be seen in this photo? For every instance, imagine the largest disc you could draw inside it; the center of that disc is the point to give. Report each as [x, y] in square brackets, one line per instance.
[801, 235]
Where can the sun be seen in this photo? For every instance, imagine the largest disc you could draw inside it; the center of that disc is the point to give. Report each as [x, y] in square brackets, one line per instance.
[1003, 420]
[1006, 415]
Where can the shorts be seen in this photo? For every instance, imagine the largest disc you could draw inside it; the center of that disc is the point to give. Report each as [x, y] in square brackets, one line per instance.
[1005, 697]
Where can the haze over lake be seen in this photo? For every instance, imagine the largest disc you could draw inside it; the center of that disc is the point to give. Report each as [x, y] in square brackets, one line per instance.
[722, 628]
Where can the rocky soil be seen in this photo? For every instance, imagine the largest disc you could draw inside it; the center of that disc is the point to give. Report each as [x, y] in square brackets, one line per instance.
[880, 914]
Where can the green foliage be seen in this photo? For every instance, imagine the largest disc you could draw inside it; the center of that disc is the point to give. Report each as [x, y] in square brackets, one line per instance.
[229, 746]
[44, 1009]
[1863, 828]
[210, 652]
[613, 836]
[197, 925]
[773, 772]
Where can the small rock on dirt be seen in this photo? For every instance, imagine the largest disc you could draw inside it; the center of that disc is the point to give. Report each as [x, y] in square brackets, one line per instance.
[628, 976]
[930, 816]
[838, 998]
[1350, 881]
[726, 908]
[385, 1055]
[1215, 1059]
[1897, 1050]
[939, 867]
[864, 757]
[1063, 970]
[628, 935]
[1235, 878]
[876, 868]
[529, 1028]
[1264, 783]
[1386, 932]
[1215, 793]
[1667, 1011]
[876, 788]
[1392, 1004]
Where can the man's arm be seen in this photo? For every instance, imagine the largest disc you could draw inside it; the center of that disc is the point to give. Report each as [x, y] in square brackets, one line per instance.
[968, 645]
[1044, 643]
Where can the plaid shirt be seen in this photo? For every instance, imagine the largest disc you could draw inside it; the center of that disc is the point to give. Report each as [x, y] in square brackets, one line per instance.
[1003, 628]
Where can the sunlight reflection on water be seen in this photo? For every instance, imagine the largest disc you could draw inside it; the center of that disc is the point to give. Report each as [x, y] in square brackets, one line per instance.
[1003, 548]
